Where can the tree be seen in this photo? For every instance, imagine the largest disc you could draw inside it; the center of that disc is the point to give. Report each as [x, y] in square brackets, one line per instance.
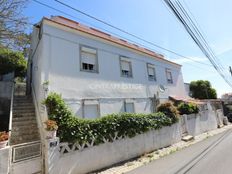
[202, 89]
[12, 61]
[13, 24]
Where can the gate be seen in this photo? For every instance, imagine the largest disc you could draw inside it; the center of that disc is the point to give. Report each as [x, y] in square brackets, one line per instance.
[26, 158]
[183, 125]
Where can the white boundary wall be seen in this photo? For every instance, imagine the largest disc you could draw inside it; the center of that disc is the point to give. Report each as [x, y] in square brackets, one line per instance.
[4, 160]
[203, 122]
[103, 155]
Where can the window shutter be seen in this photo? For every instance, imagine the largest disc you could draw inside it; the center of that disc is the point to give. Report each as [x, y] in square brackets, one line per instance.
[125, 65]
[88, 58]
[151, 71]
[89, 50]
[169, 76]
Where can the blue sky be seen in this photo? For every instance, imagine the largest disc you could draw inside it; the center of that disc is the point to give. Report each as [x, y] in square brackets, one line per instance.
[153, 21]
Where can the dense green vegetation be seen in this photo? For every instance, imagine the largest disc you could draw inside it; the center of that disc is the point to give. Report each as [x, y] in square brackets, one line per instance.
[187, 108]
[11, 61]
[73, 129]
[202, 89]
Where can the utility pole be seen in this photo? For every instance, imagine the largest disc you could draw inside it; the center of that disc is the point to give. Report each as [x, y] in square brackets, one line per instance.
[230, 69]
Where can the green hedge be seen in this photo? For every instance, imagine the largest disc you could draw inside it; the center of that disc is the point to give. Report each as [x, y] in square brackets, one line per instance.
[72, 129]
[187, 108]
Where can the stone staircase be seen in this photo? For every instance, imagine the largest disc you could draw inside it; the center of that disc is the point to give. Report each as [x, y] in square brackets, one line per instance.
[24, 124]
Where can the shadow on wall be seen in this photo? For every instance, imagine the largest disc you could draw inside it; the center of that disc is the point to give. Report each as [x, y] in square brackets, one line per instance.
[4, 114]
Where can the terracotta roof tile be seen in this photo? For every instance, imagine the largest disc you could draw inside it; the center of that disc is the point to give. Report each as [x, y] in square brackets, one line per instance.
[95, 32]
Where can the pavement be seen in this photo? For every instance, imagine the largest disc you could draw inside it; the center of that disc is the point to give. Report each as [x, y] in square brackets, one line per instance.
[211, 156]
[210, 148]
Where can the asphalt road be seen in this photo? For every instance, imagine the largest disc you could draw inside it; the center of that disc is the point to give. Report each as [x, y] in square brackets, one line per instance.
[211, 156]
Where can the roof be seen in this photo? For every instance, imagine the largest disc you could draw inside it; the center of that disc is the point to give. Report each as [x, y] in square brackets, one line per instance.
[100, 34]
[187, 99]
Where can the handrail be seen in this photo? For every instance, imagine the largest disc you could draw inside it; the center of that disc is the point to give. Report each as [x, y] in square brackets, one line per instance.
[11, 110]
[37, 108]
[40, 126]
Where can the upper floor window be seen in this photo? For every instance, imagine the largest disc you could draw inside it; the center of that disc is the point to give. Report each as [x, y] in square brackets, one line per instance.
[151, 72]
[89, 60]
[126, 68]
[169, 76]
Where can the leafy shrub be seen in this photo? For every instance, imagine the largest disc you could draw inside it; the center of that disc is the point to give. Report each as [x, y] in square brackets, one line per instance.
[188, 108]
[11, 61]
[73, 129]
[169, 110]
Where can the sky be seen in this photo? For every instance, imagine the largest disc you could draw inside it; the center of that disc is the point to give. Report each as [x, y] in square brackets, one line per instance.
[153, 21]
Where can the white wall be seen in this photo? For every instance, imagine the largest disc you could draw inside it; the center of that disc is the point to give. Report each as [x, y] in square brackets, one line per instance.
[58, 61]
[108, 154]
[202, 122]
[103, 155]
[4, 160]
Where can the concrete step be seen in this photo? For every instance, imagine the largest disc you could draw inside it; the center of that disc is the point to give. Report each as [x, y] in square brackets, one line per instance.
[31, 131]
[21, 100]
[23, 110]
[24, 139]
[18, 119]
[23, 113]
[30, 114]
[24, 128]
[23, 105]
[23, 123]
[187, 138]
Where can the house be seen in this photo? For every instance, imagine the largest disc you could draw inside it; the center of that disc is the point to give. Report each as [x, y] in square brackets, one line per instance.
[97, 73]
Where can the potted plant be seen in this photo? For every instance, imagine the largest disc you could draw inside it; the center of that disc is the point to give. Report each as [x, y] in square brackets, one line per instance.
[51, 127]
[4, 136]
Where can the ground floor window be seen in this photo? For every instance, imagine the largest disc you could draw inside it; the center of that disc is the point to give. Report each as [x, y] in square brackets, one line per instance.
[129, 107]
[91, 109]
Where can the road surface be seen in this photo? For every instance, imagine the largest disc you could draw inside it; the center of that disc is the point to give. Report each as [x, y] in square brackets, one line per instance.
[211, 156]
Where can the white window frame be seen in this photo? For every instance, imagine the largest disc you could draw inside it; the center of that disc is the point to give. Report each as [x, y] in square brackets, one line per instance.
[152, 67]
[127, 60]
[89, 103]
[169, 80]
[129, 102]
[95, 70]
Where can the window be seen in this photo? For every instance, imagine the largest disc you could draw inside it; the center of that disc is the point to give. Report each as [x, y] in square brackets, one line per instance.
[90, 111]
[129, 107]
[151, 72]
[169, 76]
[89, 59]
[126, 69]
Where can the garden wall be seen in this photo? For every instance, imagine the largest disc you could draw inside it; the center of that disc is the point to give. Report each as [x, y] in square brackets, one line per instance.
[4, 160]
[74, 159]
[103, 155]
[202, 122]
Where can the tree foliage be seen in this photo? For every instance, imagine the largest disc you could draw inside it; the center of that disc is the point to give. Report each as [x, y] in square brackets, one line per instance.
[202, 89]
[13, 24]
[11, 61]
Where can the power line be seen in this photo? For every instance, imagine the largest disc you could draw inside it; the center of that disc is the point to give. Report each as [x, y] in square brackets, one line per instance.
[130, 34]
[182, 15]
[62, 12]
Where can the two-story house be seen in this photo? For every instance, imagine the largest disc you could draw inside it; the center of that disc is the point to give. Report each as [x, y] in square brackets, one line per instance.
[97, 73]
